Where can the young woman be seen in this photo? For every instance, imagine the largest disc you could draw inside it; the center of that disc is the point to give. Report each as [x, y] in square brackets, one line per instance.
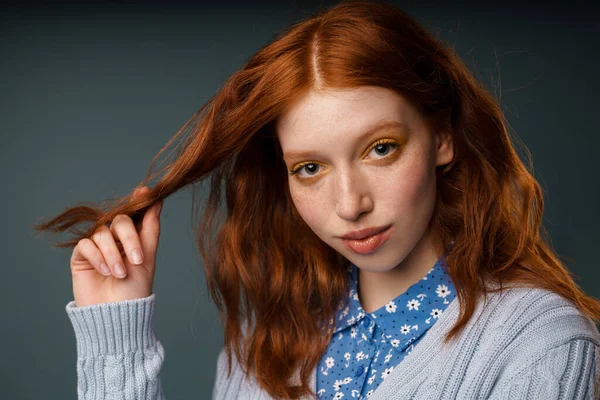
[380, 237]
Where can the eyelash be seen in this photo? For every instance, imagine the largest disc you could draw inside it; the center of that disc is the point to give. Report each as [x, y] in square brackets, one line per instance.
[392, 143]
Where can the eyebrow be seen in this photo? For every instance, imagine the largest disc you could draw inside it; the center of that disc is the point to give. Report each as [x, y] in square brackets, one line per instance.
[379, 126]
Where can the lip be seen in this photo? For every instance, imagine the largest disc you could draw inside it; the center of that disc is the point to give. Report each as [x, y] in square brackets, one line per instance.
[368, 244]
[364, 233]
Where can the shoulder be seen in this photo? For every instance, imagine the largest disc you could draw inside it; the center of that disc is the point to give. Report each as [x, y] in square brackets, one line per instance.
[525, 332]
[522, 324]
[537, 336]
[520, 312]
[235, 384]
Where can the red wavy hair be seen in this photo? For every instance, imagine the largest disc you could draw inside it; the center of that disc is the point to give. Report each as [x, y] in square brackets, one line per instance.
[264, 265]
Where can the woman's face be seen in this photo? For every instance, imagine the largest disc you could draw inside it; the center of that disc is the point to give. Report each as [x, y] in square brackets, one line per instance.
[350, 176]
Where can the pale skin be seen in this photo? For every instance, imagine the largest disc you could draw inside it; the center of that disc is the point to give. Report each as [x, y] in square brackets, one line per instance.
[347, 182]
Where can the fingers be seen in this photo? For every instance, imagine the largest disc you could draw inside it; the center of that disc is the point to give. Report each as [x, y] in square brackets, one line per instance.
[150, 230]
[125, 231]
[104, 240]
[109, 246]
[86, 251]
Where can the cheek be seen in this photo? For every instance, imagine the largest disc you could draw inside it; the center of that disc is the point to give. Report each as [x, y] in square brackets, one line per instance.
[310, 207]
[409, 189]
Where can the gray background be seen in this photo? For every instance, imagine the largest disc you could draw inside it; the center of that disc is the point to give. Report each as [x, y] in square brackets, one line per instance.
[89, 94]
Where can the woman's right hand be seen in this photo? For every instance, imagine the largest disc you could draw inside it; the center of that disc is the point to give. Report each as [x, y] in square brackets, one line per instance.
[91, 285]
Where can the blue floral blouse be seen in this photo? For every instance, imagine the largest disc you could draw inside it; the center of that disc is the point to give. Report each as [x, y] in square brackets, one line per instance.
[366, 347]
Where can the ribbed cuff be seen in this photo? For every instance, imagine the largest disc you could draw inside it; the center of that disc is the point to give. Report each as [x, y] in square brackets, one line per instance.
[113, 328]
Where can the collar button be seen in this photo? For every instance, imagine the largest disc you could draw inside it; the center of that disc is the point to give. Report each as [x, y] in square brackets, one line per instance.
[359, 371]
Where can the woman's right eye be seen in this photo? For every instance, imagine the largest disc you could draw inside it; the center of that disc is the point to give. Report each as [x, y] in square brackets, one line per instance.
[311, 167]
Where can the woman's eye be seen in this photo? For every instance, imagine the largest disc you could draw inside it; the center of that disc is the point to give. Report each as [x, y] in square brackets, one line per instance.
[384, 149]
[311, 168]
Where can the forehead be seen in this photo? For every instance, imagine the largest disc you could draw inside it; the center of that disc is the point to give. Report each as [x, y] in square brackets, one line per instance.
[347, 112]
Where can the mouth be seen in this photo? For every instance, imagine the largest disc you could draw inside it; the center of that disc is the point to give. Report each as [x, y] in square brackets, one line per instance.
[368, 244]
[364, 233]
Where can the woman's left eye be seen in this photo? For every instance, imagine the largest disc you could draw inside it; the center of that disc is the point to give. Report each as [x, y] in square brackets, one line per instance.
[384, 148]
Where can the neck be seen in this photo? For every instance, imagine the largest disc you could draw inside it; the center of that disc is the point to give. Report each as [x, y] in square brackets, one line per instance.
[376, 289]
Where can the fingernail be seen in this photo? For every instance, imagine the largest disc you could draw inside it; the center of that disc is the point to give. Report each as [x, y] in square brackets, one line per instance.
[104, 269]
[136, 256]
[119, 270]
[159, 209]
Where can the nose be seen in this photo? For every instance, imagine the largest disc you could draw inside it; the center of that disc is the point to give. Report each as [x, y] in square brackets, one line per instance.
[353, 198]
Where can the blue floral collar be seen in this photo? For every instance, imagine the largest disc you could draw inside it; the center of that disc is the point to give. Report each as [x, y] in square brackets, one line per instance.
[408, 316]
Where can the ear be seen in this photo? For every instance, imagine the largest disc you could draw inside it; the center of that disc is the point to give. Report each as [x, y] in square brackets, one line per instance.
[445, 148]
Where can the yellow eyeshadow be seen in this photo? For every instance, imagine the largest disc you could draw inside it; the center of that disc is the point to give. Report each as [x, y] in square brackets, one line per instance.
[396, 144]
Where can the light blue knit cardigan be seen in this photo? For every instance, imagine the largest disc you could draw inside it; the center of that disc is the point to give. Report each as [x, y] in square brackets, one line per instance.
[527, 343]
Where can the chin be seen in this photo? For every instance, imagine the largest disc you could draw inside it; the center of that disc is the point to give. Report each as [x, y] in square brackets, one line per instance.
[374, 262]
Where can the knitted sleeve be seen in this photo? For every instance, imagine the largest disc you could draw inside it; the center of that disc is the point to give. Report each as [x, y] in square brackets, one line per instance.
[569, 371]
[118, 354]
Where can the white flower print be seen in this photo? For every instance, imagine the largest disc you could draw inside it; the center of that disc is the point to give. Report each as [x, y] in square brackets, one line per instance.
[361, 356]
[387, 372]
[390, 307]
[395, 342]
[351, 320]
[435, 313]
[345, 312]
[405, 329]
[355, 296]
[320, 392]
[347, 356]
[369, 393]
[353, 332]
[413, 304]
[340, 336]
[329, 363]
[338, 396]
[372, 378]
[388, 357]
[442, 291]
[337, 384]
[347, 380]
